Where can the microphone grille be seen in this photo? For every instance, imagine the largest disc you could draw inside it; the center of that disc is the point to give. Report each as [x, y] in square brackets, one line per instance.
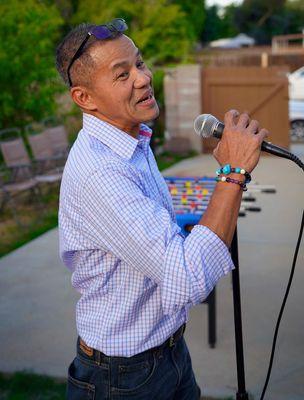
[205, 124]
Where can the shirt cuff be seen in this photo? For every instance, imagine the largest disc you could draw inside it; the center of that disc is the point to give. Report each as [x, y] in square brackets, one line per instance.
[208, 259]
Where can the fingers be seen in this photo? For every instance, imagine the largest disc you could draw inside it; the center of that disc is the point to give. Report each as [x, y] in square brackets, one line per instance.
[253, 126]
[241, 141]
[243, 121]
[230, 118]
[233, 119]
[262, 134]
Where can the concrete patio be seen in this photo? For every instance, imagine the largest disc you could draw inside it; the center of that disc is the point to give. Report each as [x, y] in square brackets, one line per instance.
[37, 302]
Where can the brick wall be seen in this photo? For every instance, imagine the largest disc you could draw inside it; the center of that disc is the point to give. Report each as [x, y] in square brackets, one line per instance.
[182, 86]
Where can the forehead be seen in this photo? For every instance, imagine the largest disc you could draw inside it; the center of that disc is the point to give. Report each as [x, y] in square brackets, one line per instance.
[114, 52]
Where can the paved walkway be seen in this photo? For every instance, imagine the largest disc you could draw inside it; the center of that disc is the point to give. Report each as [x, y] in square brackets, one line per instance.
[37, 302]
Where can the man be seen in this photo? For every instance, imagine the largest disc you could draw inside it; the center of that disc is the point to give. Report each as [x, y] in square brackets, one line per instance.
[137, 275]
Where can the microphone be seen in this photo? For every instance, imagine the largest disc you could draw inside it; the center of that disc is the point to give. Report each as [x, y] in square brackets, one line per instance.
[207, 125]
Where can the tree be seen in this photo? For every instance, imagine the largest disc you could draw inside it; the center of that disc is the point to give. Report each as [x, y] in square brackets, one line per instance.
[195, 14]
[158, 27]
[213, 25]
[294, 16]
[260, 19]
[28, 76]
[219, 23]
[229, 28]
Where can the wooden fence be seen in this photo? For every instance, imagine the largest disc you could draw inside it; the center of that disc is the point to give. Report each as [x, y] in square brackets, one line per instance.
[261, 92]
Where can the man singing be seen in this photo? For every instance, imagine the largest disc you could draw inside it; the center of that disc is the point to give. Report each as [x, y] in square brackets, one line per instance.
[137, 275]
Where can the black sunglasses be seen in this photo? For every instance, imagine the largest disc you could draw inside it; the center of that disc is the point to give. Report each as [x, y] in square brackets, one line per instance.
[106, 31]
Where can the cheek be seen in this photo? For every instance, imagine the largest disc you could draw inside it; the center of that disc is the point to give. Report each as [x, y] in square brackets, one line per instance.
[116, 98]
[120, 104]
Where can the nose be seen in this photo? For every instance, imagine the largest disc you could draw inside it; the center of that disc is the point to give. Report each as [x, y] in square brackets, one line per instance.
[143, 78]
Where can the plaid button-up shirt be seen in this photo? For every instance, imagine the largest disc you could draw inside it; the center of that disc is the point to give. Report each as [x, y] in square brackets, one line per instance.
[137, 275]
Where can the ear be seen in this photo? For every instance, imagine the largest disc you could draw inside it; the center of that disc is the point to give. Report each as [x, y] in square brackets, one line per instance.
[82, 97]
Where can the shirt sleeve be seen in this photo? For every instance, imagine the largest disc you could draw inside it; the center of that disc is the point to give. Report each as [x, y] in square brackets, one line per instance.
[118, 217]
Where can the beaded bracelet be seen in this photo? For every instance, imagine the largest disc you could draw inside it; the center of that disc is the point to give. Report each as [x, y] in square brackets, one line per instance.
[231, 180]
[227, 169]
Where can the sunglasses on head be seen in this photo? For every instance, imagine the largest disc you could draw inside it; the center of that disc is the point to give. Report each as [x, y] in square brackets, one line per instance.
[106, 31]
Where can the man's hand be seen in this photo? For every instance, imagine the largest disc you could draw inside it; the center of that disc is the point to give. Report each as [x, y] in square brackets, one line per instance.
[240, 145]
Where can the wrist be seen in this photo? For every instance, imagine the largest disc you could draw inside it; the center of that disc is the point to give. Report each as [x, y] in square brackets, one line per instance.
[236, 188]
[239, 177]
[229, 179]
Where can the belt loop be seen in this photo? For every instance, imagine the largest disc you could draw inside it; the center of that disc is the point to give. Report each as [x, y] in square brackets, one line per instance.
[97, 357]
[171, 341]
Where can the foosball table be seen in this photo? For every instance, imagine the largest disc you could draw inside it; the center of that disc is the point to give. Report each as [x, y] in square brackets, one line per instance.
[190, 197]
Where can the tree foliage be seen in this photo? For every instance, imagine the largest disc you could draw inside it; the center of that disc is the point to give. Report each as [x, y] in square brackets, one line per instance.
[159, 27]
[165, 30]
[195, 13]
[258, 18]
[219, 26]
[28, 77]
[294, 16]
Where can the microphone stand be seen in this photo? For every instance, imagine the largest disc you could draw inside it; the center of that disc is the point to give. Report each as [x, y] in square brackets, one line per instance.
[241, 393]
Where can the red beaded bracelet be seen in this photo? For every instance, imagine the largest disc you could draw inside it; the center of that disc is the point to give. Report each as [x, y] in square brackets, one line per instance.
[231, 180]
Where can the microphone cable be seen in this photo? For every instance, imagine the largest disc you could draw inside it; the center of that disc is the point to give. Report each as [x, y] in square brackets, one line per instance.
[282, 307]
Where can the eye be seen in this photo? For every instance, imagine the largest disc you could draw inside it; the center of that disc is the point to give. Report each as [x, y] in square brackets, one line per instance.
[123, 75]
[140, 64]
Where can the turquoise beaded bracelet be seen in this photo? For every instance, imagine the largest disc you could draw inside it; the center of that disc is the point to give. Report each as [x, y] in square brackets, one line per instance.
[227, 169]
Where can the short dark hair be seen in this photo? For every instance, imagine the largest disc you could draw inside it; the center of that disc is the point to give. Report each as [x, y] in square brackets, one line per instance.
[66, 50]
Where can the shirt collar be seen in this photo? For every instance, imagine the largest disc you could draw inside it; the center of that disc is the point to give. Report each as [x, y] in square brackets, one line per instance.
[117, 140]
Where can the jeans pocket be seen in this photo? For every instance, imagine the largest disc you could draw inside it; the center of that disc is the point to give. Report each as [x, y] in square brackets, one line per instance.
[78, 389]
[134, 376]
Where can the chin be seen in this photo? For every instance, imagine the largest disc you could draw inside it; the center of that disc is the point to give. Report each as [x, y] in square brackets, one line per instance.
[153, 114]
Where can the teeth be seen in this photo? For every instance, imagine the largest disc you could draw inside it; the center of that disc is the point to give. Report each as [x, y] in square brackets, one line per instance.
[146, 98]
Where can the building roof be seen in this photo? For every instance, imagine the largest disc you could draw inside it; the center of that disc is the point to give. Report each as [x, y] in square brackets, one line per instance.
[233, 43]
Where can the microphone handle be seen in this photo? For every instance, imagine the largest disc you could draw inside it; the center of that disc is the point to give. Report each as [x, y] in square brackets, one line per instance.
[276, 150]
[266, 146]
[279, 151]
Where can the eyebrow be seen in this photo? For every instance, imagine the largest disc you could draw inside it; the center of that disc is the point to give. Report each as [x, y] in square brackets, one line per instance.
[124, 63]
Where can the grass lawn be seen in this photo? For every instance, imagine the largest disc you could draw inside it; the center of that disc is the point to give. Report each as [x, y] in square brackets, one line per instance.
[27, 386]
[34, 218]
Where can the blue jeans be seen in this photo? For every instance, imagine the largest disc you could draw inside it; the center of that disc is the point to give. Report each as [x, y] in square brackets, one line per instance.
[164, 373]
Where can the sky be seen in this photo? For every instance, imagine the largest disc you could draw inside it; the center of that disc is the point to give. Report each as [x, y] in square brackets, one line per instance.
[221, 2]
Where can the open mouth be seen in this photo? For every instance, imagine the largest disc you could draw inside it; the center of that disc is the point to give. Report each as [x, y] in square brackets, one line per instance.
[145, 99]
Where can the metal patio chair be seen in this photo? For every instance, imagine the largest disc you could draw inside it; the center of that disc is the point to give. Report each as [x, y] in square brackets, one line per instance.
[16, 176]
[19, 167]
[47, 164]
[58, 137]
